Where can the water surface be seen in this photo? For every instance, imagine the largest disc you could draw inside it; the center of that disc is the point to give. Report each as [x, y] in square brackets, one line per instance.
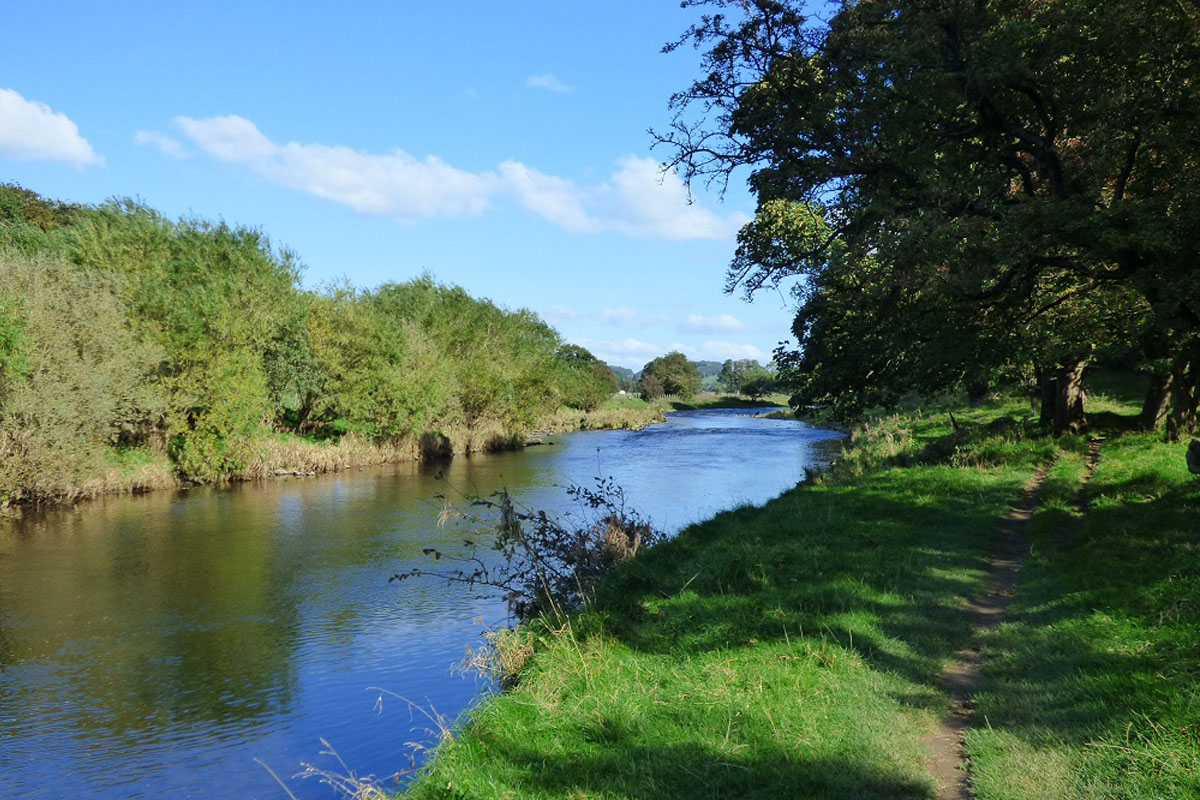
[156, 646]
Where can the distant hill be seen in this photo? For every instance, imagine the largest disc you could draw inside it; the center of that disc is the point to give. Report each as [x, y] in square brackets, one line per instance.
[627, 377]
[709, 370]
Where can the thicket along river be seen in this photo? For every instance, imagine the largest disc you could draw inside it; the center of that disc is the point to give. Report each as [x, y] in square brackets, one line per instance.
[158, 645]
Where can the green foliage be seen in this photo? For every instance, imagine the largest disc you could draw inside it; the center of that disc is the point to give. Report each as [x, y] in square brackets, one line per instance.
[13, 356]
[76, 378]
[952, 196]
[23, 207]
[758, 382]
[674, 373]
[650, 387]
[586, 381]
[196, 336]
[733, 373]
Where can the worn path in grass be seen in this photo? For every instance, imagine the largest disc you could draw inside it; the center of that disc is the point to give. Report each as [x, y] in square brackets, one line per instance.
[789, 650]
[961, 677]
[797, 649]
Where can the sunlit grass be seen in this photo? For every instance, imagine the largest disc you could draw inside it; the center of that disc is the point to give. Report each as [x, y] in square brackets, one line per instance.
[1094, 687]
[792, 650]
[784, 651]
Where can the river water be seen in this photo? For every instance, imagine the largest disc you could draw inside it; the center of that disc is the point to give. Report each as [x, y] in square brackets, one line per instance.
[171, 644]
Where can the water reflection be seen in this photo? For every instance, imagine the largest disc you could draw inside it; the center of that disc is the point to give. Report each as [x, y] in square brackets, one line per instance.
[160, 643]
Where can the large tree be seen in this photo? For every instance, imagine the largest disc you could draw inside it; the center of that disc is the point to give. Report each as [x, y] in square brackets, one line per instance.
[674, 373]
[1026, 170]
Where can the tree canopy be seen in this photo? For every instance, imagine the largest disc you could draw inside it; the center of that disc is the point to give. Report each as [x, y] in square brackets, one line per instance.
[959, 189]
[673, 373]
[123, 330]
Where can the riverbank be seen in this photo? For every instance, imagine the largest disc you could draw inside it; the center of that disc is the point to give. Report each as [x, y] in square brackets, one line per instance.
[797, 648]
[276, 455]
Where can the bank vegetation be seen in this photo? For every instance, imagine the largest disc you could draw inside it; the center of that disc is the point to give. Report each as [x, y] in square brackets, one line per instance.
[140, 352]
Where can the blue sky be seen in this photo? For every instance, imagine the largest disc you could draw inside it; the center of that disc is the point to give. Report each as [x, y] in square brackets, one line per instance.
[499, 146]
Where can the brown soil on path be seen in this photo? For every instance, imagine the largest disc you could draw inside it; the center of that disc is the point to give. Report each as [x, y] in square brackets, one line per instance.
[962, 677]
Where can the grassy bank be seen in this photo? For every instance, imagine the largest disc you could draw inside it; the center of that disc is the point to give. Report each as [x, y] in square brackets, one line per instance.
[272, 455]
[617, 413]
[793, 650]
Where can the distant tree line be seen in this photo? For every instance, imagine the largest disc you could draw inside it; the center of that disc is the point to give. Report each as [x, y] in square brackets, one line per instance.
[962, 193]
[121, 329]
[674, 374]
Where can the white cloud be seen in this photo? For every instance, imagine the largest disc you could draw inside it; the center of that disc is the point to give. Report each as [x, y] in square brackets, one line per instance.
[394, 185]
[697, 323]
[634, 353]
[561, 314]
[720, 351]
[161, 142]
[651, 204]
[32, 130]
[548, 81]
[629, 352]
[625, 317]
[229, 138]
[556, 200]
[638, 200]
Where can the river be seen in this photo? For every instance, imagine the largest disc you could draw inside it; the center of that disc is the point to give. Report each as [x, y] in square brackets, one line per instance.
[164, 645]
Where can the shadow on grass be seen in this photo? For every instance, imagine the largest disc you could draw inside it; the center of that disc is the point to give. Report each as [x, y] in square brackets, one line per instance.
[881, 568]
[1099, 659]
[621, 767]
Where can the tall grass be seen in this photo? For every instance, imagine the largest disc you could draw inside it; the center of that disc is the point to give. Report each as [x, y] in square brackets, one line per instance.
[793, 650]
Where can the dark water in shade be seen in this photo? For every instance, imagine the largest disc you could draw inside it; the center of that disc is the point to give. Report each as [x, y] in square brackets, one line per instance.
[155, 646]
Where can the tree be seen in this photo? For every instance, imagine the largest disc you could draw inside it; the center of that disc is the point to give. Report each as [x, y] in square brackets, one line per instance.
[675, 373]
[757, 382]
[960, 158]
[733, 373]
[650, 387]
[586, 380]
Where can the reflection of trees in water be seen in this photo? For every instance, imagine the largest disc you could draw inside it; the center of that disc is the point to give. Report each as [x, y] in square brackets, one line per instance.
[172, 609]
[150, 612]
[144, 628]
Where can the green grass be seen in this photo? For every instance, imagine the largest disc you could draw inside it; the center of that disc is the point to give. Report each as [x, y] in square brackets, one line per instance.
[792, 650]
[1094, 683]
[619, 412]
[784, 651]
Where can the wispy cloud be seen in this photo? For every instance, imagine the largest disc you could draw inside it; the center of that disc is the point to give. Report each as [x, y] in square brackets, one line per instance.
[639, 200]
[720, 351]
[548, 81]
[561, 314]
[629, 352]
[395, 184]
[625, 317]
[696, 323]
[634, 353]
[34, 131]
[161, 142]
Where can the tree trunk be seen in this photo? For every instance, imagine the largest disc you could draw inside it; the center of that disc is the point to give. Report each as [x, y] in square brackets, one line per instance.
[1068, 398]
[977, 392]
[1184, 399]
[1158, 402]
[1048, 387]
